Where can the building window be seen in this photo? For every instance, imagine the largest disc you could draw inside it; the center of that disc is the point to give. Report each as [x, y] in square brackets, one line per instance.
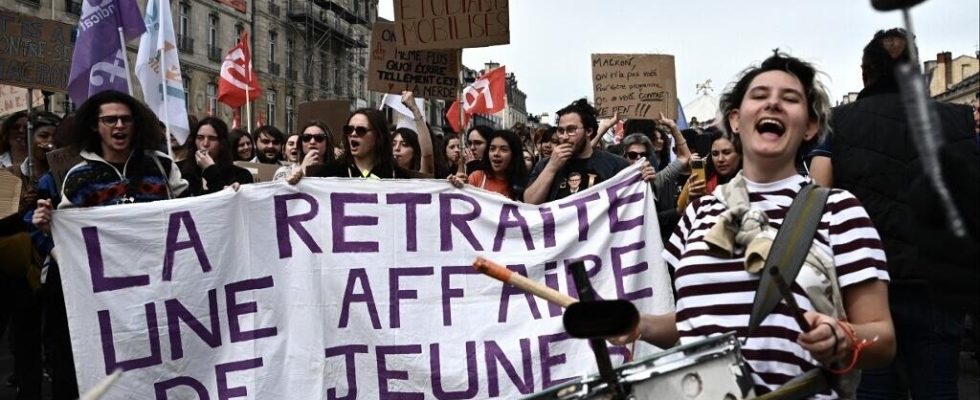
[185, 15]
[290, 49]
[187, 91]
[239, 28]
[213, 30]
[290, 117]
[272, 45]
[212, 95]
[271, 108]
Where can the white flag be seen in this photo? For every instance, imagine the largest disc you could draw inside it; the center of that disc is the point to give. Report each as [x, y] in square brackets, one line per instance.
[157, 67]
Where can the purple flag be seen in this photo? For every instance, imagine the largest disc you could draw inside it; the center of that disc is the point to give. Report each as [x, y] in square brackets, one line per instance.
[98, 62]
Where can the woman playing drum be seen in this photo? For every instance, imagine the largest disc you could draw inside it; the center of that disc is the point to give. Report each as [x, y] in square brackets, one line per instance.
[777, 111]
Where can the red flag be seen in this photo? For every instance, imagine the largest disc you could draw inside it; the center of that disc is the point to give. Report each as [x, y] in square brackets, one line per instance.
[487, 95]
[237, 75]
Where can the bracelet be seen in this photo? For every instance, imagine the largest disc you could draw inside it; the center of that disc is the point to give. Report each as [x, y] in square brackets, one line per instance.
[856, 347]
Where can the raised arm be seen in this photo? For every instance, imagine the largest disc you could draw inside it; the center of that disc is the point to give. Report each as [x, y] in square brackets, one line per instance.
[428, 165]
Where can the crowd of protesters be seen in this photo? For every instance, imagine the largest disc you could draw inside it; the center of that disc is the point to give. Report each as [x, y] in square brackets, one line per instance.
[773, 120]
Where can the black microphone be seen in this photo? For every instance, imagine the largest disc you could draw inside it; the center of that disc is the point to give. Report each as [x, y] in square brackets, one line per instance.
[890, 5]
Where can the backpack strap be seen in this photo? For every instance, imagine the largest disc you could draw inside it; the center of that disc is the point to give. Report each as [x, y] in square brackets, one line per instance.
[789, 249]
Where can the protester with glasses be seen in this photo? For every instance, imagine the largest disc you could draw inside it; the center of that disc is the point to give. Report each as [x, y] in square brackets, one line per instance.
[576, 125]
[116, 136]
[214, 166]
[367, 145]
[316, 148]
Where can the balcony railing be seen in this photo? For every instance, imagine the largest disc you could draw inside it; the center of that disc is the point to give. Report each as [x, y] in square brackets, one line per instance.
[214, 53]
[185, 44]
[273, 68]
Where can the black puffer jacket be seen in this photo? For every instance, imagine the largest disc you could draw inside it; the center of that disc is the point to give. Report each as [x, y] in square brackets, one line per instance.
[875, 158]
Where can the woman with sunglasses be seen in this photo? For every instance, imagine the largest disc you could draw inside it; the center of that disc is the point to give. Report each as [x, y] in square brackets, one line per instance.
[367, 151]
[214, 166]
[316, 149]
[504, 170]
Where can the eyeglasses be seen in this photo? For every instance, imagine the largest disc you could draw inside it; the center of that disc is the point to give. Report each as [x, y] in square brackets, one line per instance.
[356, 131]
[568, 130]
[635, 155]
[318, 138]
[112, 120]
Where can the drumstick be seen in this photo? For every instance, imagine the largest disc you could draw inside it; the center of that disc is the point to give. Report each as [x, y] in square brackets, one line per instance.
[501, 273]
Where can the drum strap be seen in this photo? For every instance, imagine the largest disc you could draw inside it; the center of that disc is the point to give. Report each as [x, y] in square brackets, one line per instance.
[789, 249]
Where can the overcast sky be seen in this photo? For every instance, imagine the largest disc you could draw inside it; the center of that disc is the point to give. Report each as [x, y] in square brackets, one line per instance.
[551, 40]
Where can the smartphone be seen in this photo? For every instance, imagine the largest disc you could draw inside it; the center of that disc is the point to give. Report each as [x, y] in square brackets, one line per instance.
[697, 168]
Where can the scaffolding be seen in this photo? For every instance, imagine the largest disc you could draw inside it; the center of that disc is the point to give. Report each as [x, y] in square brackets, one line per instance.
[333, 32]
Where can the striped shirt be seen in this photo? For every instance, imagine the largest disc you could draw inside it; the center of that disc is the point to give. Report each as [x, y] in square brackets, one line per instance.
[715, 295]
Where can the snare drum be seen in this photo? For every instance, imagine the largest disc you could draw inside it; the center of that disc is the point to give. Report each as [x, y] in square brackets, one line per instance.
[712, 368]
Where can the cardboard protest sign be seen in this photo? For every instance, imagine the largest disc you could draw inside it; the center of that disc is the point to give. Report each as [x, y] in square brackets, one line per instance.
[59, 162]
[260, 172]
[451, 24]
[332, 112]
[10, 187]
[34, 53]
[14, 99]
[635, 85]
[430, 74]
[353, 288]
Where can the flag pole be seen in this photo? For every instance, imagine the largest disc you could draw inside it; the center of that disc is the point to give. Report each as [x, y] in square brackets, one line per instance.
[122, 48]
[459, 99]
[163, 83]
[30, 135]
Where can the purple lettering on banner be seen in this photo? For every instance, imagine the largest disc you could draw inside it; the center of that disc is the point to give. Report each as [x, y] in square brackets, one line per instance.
[366, 297]
[385, 375]
[448, 293]
[547, 226]
[581, 205]
[511, 290]
[505, 222]
[551, 280]
[173, 246]
[472, 383]
[161, 388]
[109, 345]
[100, 282]
[285, 222]
[615, 202]
[236, 310]
[447, 220]
[589, 272]
[176, 312]
[222, 370]
[396, 294]
[620, 272]
[621, 351]
[411, 202]
[340, 221]
[348, 352]
[549, 361]
[495, 355]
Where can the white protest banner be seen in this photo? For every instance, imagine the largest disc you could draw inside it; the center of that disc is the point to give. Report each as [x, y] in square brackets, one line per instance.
[339, 288]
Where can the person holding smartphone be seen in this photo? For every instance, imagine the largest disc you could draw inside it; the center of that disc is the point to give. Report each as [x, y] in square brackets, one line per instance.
[722, 164]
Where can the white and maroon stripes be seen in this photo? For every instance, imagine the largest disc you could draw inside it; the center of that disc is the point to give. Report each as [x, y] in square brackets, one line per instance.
[715, 295]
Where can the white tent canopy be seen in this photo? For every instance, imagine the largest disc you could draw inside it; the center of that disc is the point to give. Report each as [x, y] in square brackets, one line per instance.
[704, 107]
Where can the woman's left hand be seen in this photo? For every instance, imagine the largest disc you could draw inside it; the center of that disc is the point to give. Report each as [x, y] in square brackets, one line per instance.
[826, 341]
